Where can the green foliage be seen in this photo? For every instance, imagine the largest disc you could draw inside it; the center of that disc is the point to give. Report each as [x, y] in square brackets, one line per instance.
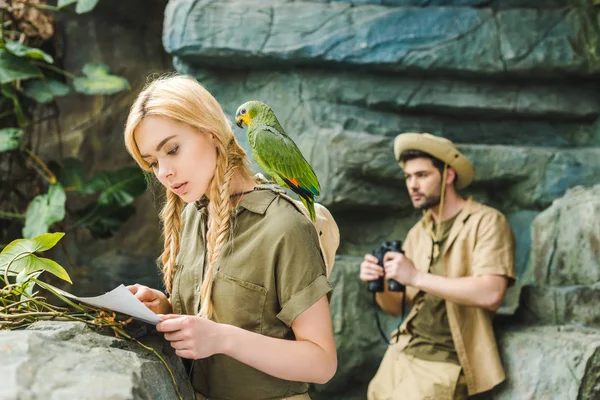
[44, 91]
[120, 187]
[44, 210]
[98, 80]
[18, 257]
[29, 78]
[14, 68]
[10, 139]
[115, 192]
[82, 6]
[20, 50]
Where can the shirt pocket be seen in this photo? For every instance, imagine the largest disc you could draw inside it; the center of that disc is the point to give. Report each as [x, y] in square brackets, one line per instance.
[238, 302]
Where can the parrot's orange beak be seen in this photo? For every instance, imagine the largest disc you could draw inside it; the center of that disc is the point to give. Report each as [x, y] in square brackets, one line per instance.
[242, 120]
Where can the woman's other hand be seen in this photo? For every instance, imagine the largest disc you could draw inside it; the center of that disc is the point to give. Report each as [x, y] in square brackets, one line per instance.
[154, 299]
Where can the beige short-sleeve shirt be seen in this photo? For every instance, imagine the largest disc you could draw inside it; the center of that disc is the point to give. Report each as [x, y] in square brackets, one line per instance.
[269, 272]
[481, 242]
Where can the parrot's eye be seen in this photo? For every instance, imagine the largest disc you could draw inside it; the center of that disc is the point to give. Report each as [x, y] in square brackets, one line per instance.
[243, 112]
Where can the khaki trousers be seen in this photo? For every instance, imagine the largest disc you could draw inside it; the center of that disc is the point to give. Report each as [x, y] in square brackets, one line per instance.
[404, 377]
[296, 397]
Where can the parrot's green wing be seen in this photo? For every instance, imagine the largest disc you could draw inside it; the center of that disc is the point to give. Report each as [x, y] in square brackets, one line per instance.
[279, 155]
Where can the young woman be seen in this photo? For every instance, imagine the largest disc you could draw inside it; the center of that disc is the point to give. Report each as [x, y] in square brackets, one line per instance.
[248, 293]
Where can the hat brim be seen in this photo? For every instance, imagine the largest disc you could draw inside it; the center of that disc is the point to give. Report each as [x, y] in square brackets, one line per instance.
[439, 148]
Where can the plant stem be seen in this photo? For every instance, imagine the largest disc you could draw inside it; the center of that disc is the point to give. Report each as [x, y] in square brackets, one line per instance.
[6, 214]
[56, 69]
[50, 176]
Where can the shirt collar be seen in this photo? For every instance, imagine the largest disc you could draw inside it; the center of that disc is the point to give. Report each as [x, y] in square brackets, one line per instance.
[469, 208]
[256, 201]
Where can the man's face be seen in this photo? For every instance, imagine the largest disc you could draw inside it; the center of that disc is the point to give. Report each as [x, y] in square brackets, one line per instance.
[424, 183]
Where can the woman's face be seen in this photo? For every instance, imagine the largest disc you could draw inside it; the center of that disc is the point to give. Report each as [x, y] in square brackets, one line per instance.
[182, 158]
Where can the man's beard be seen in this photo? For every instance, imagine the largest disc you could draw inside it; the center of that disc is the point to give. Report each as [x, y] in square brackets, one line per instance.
[429, 202]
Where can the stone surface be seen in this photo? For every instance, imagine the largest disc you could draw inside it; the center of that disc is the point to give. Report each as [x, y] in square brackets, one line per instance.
[561, 305]
[358, 341]
[455, 40]
[564, 265]
[550, 362]
[67, 360]
[566, 240]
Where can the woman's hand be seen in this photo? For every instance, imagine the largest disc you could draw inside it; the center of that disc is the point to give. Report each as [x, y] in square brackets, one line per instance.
[154, 299]
[191, 336]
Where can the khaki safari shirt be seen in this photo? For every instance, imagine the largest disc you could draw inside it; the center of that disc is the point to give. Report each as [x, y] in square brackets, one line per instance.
[431, 338]
[481, 242]
[269, 272]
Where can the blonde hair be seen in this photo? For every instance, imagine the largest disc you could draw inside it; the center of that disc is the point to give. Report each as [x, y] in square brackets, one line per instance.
[184, 100]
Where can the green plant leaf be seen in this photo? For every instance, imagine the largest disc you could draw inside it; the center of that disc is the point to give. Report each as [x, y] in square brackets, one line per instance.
[13, 68]
[65, 3]
[120, 187]
[104, 221]
[98, 80]
[44, 210]
[20, 255]
[71, 175]
[84, 6]
[45, 91]
[10, 139]
[20, 50]
[27, 280]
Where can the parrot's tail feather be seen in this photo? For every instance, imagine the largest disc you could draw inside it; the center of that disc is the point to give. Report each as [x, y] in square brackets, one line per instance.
[300, 190]
[309, 203]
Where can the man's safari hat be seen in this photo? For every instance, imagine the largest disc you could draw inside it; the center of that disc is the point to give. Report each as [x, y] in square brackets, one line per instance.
[440, 148]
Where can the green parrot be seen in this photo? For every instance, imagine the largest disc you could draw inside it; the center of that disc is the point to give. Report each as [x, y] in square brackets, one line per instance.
[277, 154]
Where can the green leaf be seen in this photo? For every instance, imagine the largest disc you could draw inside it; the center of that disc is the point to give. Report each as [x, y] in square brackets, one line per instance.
[27, 279]
[84, 6]
[46, 264]
[45, 91]
[20, 255]
[65, 3]
[120, 187]
[10, 139]
[13, 68]
[44, 210]
[19, 49]
[72, 175]
[104, 221]
[99, 80]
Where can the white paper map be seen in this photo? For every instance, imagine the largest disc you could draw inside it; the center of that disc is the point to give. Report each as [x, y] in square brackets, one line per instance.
[119, 299]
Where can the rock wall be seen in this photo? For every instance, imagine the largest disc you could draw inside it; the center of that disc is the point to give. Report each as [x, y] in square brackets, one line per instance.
[513, 83]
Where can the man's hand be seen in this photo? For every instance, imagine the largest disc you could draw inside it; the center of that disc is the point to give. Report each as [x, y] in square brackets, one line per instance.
[154, 299]
[399, 268]
[369, 269]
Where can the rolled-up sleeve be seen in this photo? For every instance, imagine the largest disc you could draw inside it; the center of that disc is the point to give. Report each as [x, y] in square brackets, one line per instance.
[494, 251]
[300, 271]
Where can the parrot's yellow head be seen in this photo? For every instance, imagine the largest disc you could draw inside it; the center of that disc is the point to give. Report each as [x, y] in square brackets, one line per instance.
[248, 111]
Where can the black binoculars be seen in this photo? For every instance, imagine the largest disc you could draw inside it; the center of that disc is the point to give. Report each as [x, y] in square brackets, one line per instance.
[377, 284]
